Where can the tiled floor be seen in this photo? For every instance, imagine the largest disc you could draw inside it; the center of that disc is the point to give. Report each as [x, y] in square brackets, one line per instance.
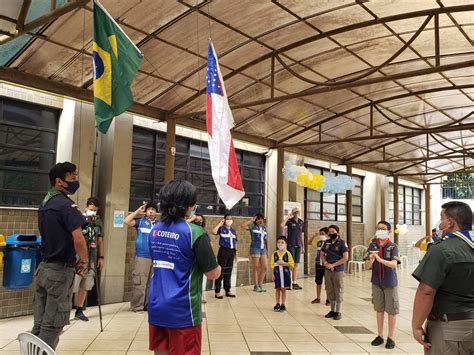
[244, 325]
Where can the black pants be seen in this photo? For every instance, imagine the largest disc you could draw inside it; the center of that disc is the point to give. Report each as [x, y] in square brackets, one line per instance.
[225, 258]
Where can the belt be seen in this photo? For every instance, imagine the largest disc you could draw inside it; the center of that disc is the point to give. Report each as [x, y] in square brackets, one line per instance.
[57, 262]
[451, 317]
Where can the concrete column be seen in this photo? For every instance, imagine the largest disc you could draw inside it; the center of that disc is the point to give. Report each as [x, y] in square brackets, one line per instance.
[114, 192]
[349, 212]
[427, 210]
[83, 146]
[279, 188]
[395, 207]
[170, 149]
[76, 143]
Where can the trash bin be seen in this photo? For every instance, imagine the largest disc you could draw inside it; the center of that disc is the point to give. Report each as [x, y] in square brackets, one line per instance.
[20, 260]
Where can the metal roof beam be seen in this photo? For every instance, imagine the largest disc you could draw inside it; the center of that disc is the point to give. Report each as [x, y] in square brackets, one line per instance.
[419, 160]
[407, 134]
[378, 21]
[42, 20]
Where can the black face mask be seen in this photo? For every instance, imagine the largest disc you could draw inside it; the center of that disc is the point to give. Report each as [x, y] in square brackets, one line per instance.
[198, 223]
[332, 235]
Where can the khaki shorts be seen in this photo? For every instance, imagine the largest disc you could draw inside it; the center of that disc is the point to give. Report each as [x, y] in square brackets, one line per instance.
[385, 299]
[86, 282]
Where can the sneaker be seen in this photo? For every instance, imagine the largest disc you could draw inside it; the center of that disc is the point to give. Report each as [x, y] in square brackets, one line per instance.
[218, 296]
[282, 308]
[228, 294]
[277, 307]
[297, 287]
[337, 315]
[377, 341]
[255, 288]
[328, 303]
[316, 300]
[81, 316]
[330, 314]
[390, 344]
[261, 288]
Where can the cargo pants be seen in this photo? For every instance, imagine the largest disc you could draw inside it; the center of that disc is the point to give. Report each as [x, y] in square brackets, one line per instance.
[140, 274]
[52, 302]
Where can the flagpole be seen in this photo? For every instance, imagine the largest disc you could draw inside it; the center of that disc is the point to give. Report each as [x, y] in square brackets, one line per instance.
[96, 2]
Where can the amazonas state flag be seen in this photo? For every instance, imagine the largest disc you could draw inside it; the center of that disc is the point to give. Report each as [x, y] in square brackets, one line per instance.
[116, 62]
[219, 121]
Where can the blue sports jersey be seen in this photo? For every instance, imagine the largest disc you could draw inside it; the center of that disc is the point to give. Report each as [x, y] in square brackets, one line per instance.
[175, 286]
[227, 237]
[258, 235]
[143, 226]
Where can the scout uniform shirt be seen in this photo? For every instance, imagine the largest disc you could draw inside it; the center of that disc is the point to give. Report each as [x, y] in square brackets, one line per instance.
[143, 226]
[281, 273]
[448, 267]
[258, 235]
[58, 216]
[227, 237]
[334, 250]
[293, 231]
[382, 275]
[91, 231]
[181, 253]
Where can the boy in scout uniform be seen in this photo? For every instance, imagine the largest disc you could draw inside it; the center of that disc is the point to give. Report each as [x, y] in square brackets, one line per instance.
[334, 255]
[381, 258]
[92, 232]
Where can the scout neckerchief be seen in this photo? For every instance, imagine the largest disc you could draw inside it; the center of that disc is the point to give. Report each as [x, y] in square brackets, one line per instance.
[464, 235]
[51, 193]
[381, 245]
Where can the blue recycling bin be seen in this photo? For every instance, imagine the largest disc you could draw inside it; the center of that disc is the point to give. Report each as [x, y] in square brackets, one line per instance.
[20, 260]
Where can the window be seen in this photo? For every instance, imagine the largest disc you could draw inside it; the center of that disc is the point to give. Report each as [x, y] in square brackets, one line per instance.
[28, 135]
[192, 163]
[332, 207]
[409, 205]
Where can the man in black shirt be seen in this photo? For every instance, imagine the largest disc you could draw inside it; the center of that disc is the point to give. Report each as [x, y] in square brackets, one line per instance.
[60, 224]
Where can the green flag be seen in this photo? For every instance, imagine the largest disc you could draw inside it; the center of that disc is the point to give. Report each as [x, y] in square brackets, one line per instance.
[116, 62]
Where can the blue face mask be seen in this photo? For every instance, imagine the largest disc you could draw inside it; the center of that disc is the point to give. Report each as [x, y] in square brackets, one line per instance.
[72, 186]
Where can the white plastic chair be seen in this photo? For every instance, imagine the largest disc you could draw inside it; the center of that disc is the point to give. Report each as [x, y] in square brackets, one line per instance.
[32, 345]
[357, 258]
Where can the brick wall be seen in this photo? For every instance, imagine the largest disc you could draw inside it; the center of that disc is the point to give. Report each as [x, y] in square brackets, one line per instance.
[16, 221]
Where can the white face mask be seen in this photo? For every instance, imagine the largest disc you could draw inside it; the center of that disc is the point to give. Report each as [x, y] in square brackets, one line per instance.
[322, 237]
[90, 213]
[381, 234]
[281, 247]
[228, 223]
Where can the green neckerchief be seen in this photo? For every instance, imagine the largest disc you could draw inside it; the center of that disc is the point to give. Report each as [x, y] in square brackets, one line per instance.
[51, 193]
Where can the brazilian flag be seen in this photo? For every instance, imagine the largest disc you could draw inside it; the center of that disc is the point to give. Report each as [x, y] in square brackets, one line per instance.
[116, 62]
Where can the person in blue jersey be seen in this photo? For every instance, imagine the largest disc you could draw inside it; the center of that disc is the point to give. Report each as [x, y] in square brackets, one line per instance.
[142, 265]
[258, 249]
[181, 253]
[282, 265]
[226, 255]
